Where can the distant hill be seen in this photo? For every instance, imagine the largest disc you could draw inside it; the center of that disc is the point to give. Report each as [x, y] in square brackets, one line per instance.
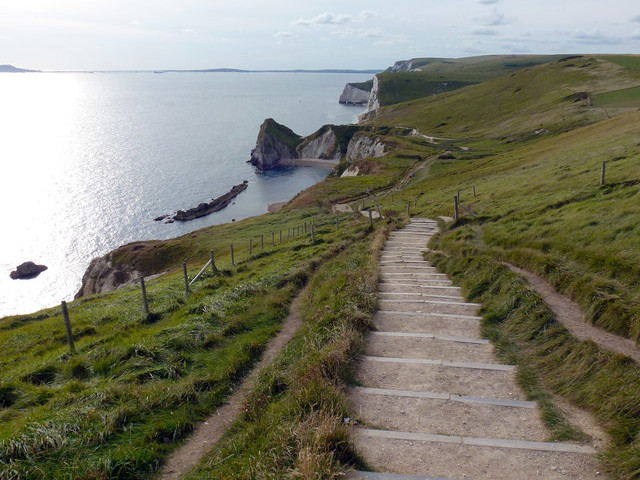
[12, 69]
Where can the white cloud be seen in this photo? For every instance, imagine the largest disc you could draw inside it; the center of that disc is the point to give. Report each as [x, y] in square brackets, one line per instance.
[636, 18]
[389, 40]
[493, 19]
[283, 34]
[367, 14]
[484, 32]
[326, 18]
[487, 2]
[594, 37]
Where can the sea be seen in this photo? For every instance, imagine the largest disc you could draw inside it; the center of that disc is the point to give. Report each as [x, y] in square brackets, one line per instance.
[88, 160]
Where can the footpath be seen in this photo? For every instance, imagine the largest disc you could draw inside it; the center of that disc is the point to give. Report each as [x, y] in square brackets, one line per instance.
[433, 402]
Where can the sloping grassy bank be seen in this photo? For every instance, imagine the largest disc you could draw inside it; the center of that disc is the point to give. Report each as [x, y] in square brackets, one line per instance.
[525, 333]
[293, 421]
[138, 384]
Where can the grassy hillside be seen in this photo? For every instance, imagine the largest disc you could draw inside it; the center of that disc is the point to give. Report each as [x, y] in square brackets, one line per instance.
[547, 98]
[432, 76]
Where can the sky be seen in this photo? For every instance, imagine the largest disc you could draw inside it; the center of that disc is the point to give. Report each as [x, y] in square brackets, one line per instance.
[292, 34]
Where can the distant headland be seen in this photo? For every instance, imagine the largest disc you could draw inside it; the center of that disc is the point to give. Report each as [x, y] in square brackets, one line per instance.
[12, 69]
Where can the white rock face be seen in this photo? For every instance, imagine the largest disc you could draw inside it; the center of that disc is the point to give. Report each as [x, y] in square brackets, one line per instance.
[364, 146]
[102, 276]
[374, 101]
[353, 95]
[325, 147]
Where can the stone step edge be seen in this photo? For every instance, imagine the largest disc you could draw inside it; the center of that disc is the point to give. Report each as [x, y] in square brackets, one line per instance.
[481, 441]
[466, 399]
[444, 363]
[431, 336]
[360, 475]
[430, 314]
[428, 295]
[433, 302]
[441, 287]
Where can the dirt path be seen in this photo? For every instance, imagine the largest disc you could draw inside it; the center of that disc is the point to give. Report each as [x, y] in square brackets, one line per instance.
[211, 430]
[568, 313]
[432, 400]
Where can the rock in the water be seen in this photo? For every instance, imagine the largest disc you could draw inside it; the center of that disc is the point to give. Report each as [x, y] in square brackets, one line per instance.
[27, 270]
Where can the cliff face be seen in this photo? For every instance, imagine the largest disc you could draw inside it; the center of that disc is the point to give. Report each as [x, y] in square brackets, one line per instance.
[374, 100]
[401, 66]
[275, 142]
[354, 95]
[325, 146]
[103, 276]
[363, 146]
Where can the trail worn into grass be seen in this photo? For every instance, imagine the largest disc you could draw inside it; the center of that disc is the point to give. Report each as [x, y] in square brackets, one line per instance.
[211, 430]
[568, 313]
[432, 400]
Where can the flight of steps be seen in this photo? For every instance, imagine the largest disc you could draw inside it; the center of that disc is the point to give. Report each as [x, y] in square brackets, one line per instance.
[433, 402]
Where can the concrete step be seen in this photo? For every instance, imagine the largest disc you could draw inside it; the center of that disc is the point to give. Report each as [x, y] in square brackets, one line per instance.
[428, 306]
[390, 344]
[417, 288]
[436, 325]
[473, 457]
[418, 281]
[462, 416]
[378, 372]
[406, 295]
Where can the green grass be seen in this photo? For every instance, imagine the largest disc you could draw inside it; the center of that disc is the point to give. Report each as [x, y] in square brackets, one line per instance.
[439, 75]
[631, 62]
[627, 97]
[138, 384]
[525, 333]
[292, 425]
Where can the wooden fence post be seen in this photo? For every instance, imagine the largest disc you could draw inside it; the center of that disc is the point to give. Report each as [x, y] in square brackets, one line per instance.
[337, 221]
[602, 173]
[232, 261]
[379, 212]
[409, 208]
[67, 325]
[313, 235]
[280, 235]
[261, 242]
[186, 278]
[474, 191]
[213, 263]
[250, 246]
[273, 238]
[145, 303]
[455, 207]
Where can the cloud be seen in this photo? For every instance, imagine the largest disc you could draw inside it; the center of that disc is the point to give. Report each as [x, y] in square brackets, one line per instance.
[326, 18]
[636, 19]
[487, 2]
[389, 40]
[594, 37]
[494, 19]
[484, 32]
[367, 14]
[283, 34]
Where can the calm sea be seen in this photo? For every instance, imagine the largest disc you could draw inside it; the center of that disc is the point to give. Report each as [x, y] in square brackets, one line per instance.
[88, 160]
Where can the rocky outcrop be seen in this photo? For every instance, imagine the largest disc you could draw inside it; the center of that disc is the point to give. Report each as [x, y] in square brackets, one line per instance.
[324, 145]
[403, 66]
[363, 145]
[27, 270]
[356, 93]
[104, 275]
[374, 100]
[275, 142]
[204, 209]
[277, 145]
